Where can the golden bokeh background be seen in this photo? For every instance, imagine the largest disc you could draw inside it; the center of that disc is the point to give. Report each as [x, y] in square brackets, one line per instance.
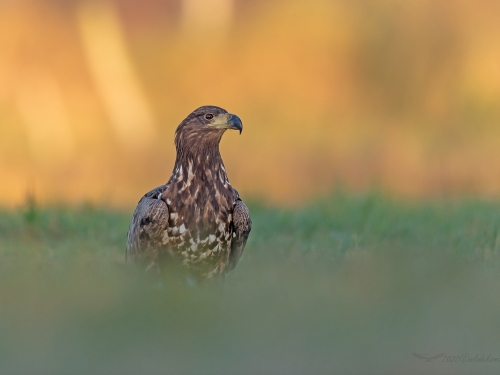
[402, 95]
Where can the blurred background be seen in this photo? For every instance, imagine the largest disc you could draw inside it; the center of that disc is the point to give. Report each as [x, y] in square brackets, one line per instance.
[404, 96]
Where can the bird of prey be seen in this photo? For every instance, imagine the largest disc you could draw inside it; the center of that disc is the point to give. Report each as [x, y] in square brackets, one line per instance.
[196, 222]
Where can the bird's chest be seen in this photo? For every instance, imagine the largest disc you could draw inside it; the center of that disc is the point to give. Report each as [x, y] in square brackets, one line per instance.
[199, 235]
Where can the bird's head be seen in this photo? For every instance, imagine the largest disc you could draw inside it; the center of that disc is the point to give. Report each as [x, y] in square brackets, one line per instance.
[205, 125]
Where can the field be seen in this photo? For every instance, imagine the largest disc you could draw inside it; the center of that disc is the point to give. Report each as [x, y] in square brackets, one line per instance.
[349, 284]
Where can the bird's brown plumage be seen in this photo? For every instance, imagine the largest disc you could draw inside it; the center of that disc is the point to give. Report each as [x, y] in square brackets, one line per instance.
[196, 220]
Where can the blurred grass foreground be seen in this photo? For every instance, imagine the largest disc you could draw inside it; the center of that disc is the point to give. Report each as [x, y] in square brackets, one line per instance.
[401, 94]
[363, 282]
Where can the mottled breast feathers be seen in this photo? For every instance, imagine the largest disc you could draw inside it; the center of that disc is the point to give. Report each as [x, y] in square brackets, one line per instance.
[196, 221]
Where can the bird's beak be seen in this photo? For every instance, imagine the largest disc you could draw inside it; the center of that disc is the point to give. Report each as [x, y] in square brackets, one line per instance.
[227, 121]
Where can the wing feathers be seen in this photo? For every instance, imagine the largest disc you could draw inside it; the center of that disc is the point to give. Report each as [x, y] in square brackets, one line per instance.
[149, 221]
[242, 226]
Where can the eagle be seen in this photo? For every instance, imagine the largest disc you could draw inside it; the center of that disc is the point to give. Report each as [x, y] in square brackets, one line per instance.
[196, 223]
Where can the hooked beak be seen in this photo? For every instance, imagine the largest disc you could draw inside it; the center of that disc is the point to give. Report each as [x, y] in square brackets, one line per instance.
[227, 121]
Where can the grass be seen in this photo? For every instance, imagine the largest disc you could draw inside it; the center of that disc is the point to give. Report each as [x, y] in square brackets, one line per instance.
[350, 284]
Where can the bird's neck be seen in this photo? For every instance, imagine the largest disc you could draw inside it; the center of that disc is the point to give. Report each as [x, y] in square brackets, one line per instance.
[204, 163]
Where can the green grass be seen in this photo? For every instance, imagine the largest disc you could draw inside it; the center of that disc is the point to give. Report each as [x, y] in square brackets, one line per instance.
[346, 285]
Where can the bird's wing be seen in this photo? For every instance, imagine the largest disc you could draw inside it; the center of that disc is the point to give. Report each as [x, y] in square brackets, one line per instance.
[242, 225]
[156, 192]
[149, 222]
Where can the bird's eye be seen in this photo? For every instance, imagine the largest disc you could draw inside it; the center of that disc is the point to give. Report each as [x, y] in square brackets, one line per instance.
[209, 116]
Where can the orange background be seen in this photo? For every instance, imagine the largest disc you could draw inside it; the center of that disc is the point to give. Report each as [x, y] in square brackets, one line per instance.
[403, 95]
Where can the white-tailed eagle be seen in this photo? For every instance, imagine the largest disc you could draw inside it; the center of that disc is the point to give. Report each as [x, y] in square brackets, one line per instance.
[196, 222]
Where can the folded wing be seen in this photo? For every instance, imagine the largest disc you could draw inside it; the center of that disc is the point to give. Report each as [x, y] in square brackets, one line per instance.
[242, 225]
[149, 222]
